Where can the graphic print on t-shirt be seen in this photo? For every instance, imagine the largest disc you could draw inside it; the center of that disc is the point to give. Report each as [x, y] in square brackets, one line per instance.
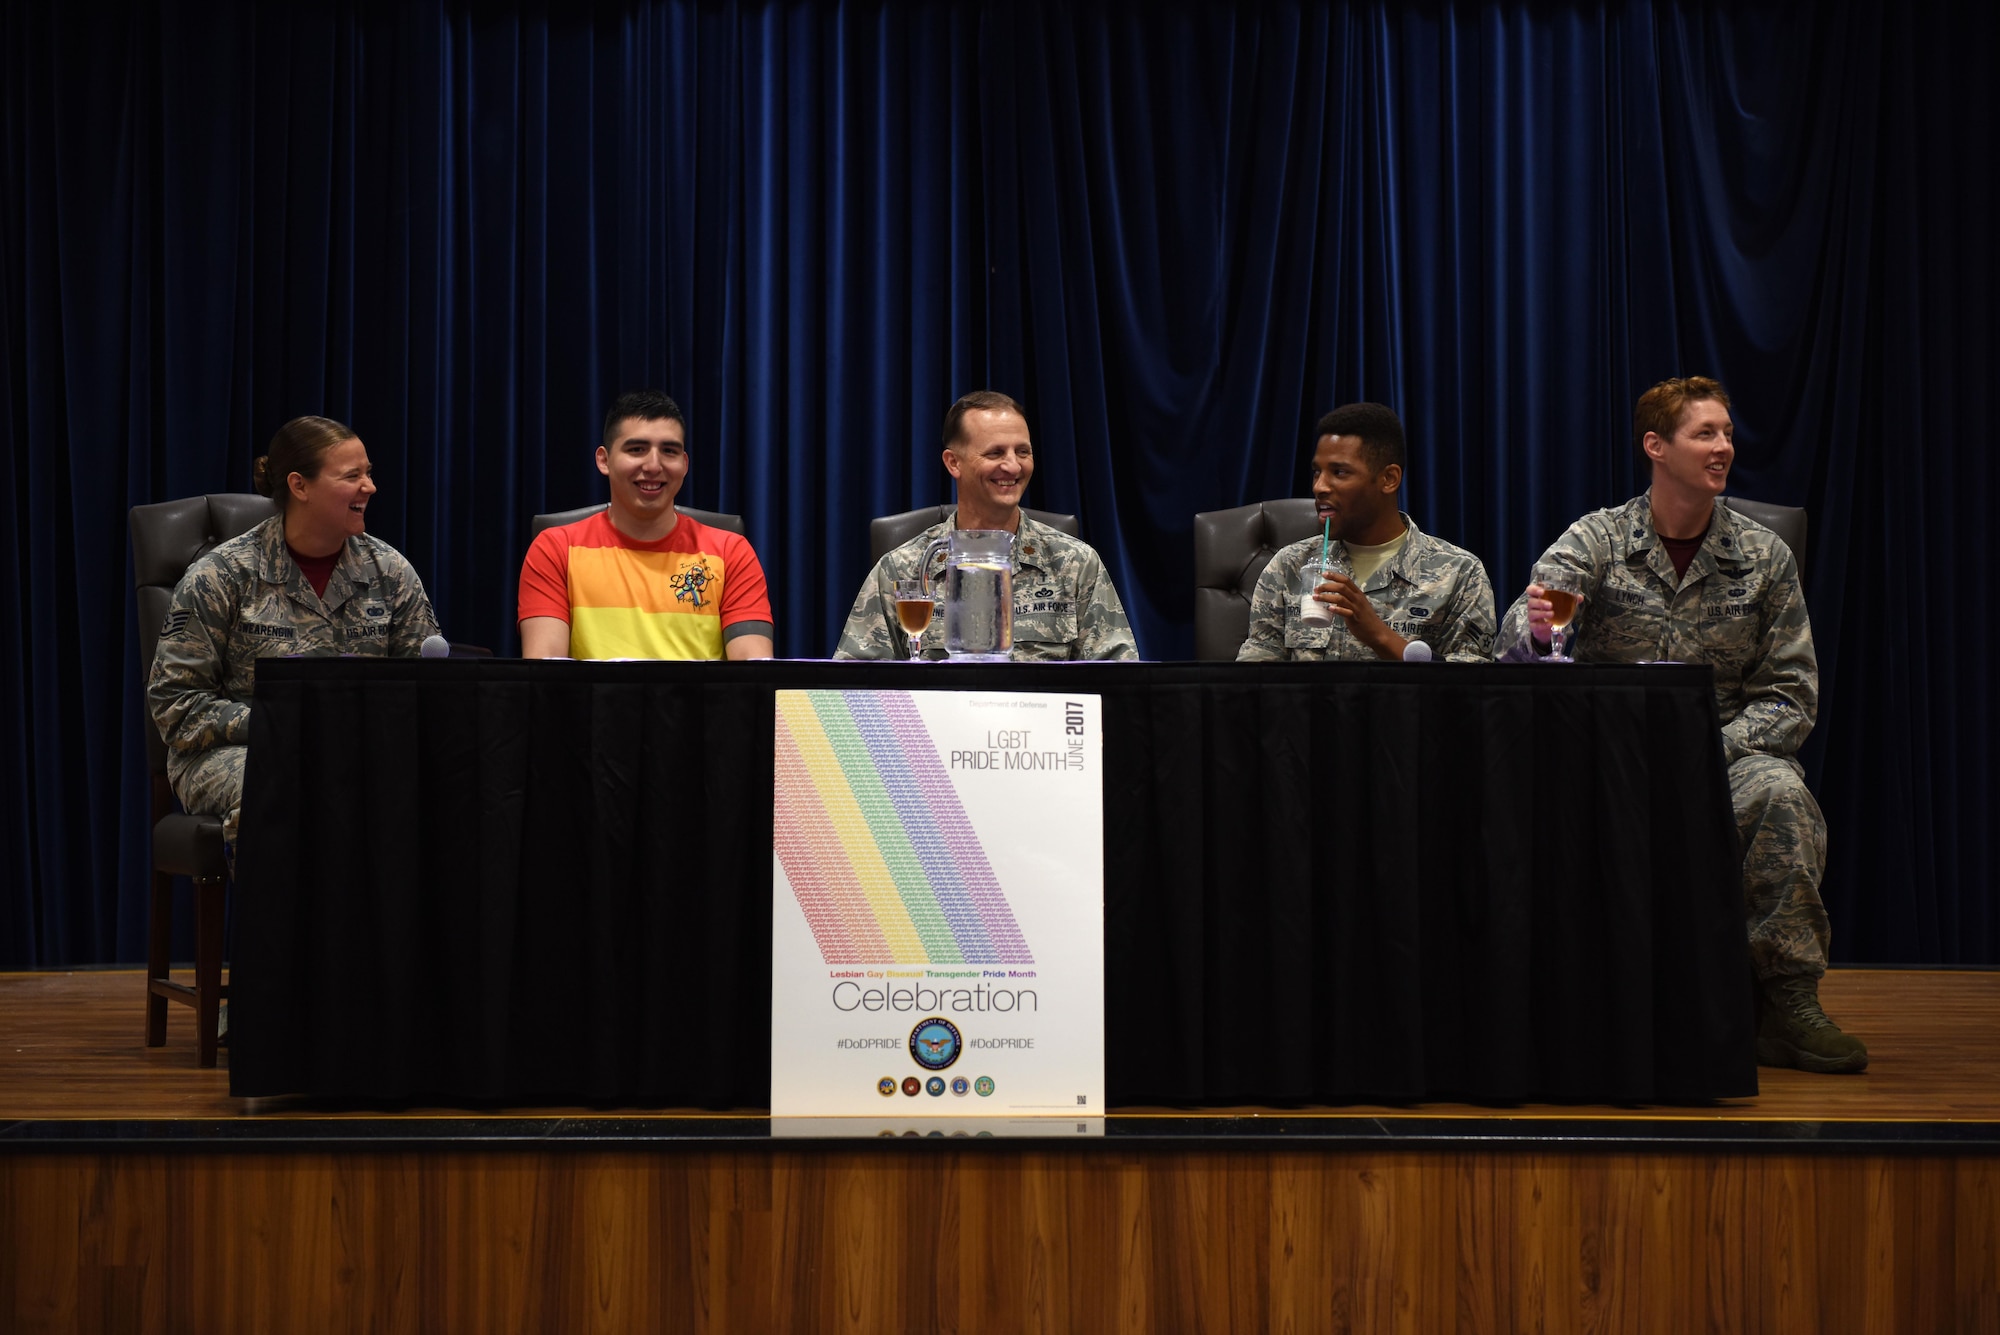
[644, 604]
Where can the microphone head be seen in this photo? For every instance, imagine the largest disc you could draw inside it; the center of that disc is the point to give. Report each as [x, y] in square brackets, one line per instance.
[1416, 651]
[436, 646]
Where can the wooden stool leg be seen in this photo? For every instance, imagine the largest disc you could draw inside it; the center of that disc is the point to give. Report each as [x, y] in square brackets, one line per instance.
[159, 956]
[208, 929]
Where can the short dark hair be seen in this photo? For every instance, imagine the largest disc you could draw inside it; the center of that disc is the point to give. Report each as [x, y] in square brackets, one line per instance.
[648, 405]
[979, 400]
[1660, 408]
[299, 447]
[1381, 432]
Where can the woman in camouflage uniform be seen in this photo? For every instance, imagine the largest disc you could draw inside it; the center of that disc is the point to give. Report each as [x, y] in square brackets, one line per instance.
[307, 581]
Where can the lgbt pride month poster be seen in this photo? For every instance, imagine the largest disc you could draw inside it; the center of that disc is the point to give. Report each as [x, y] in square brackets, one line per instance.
[937, 944]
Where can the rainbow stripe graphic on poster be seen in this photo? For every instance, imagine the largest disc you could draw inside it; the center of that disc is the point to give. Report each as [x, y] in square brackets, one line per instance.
[879, 851]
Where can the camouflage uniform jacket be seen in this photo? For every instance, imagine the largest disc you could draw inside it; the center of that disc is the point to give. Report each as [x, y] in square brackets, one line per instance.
[248, 599]
[1429, 591]
[1739, 607]
[1064, 603]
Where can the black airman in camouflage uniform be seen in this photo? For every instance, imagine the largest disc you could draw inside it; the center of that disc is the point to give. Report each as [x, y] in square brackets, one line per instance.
[1412, 587]
[1429, 591]
[247, 600]
[1739, 607]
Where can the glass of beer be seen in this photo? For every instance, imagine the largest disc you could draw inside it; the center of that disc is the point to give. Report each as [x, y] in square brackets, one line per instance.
[914, 603]
[1561, 588]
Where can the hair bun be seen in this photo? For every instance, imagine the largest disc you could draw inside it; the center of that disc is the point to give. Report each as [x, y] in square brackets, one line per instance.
[260, 474]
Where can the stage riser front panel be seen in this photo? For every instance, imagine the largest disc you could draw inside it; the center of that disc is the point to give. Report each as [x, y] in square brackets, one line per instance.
[935, 1238]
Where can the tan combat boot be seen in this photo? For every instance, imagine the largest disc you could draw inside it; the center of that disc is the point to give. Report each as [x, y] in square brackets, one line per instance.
[1793, 1031]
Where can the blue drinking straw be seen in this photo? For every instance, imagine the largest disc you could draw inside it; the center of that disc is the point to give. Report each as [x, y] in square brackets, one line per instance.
[1325, 544]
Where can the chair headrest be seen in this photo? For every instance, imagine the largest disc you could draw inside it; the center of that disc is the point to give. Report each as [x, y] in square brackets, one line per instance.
[1231, 549]
[888, 532]
[1787, 521]
[170, 536]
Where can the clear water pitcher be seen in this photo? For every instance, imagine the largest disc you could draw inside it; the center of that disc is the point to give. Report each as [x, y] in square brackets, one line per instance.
[978, 593]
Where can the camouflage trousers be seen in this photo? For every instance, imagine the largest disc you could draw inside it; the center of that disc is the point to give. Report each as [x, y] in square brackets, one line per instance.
[1784, 855]
[212, 785]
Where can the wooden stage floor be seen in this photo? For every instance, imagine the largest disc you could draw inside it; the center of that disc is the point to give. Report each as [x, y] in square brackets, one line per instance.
[136, 1194]
[73, 1055]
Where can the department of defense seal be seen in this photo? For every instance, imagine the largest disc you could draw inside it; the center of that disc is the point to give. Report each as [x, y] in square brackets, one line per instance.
[934, 1043]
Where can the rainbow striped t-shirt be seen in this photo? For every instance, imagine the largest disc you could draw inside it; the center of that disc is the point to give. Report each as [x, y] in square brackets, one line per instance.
[679, 597]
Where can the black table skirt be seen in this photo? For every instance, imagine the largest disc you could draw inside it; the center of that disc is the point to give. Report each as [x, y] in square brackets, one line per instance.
[508, 882]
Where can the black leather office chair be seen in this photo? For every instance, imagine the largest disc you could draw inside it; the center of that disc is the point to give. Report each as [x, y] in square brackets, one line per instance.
[1787, 521]
[888, 532]
[1231, 549]
[734, 523]
[167, 538]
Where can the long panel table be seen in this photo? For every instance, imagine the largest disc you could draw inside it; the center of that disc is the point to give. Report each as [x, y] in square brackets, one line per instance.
[501, 882]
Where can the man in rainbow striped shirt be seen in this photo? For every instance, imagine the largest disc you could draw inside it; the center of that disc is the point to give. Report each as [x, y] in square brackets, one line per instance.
[640, 579]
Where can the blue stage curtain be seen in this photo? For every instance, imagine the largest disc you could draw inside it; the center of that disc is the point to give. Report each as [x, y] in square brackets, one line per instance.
[1177, 232]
